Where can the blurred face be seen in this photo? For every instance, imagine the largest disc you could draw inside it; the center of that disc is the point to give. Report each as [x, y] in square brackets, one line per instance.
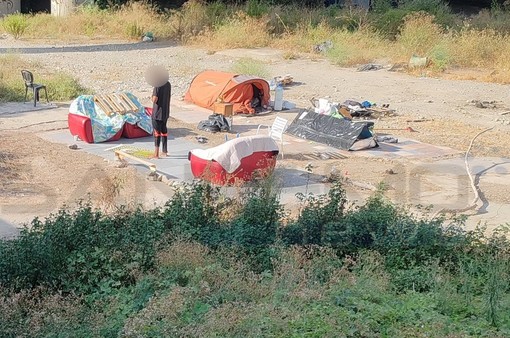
[156, 76]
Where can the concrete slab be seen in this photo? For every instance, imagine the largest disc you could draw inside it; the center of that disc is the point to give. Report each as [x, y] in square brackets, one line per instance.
[295, 147]
[407, 148]
[176, 166]
[8, 230]
[20, 107]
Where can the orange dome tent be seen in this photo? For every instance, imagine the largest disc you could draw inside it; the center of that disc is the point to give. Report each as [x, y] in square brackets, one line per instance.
[242, 91]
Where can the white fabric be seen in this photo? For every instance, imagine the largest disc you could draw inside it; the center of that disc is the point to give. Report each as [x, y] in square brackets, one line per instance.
[230, 153]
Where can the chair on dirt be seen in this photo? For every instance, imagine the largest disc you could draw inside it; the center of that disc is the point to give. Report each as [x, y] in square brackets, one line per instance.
[28, 77]
[276, 130]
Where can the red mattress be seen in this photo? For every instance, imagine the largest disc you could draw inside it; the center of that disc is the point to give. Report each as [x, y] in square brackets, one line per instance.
[262, 162]
[133, 131]
[81, 126]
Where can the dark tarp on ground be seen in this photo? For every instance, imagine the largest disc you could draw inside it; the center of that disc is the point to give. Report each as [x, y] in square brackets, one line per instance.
[332, 131]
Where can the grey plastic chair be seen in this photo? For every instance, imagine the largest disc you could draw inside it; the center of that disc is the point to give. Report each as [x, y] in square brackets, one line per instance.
[28, 77]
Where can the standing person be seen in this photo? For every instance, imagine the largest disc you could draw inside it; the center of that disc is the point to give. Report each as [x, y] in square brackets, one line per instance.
[160, 114]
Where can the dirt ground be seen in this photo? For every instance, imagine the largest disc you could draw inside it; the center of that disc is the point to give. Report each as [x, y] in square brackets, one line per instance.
[39, 176]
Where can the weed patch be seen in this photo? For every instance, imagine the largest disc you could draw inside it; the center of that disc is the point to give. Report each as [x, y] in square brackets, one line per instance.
[60, 86]
[187, 269]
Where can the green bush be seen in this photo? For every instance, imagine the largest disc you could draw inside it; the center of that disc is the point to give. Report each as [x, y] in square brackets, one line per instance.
[15, 24]
[222, 266]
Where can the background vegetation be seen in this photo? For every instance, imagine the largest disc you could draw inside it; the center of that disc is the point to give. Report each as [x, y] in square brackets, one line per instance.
[61, 86]
[388, 32]
[208, 265]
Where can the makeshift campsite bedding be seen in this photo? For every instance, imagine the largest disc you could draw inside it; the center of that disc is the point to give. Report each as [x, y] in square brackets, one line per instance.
[247, 93]
[332, 131]
[236, 161]
[230, 154]
[105, 125]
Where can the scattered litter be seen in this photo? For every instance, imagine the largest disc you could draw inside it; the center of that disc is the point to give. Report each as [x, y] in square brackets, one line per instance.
[398, 67]
[214, 124]
[323, 47]
[419, 120]
[418, 62]
[386, 139]
[288, 105]
[148, 37]
[201, 139]
[350, 109]
[73, 146]
[389, 172]
[280, 81]
[485, 104]
[153, 176]
[368, 67]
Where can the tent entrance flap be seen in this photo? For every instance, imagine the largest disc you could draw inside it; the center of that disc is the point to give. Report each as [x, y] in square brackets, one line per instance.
[243, 91]
[332, 131]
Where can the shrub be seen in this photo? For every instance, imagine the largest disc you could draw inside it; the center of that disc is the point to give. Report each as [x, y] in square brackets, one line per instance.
[134, 30]
[419, 34]
[15, 24]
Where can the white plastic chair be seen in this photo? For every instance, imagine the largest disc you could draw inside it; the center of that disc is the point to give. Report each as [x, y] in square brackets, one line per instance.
[276, 130]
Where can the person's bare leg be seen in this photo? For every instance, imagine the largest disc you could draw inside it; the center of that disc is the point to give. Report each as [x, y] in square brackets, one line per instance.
[156, 153]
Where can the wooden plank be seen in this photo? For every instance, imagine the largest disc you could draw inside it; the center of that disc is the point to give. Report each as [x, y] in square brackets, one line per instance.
[115, 106]
[122, 108]
[121, 154]
[110, 109]
[121, 102]
[120, 96]
[104, 106]
[133, 106]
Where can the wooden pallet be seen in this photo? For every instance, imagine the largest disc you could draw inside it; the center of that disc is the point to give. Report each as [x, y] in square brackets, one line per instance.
[115, 103]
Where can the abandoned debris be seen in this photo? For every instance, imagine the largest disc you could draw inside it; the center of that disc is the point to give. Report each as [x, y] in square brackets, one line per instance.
[214, 124]
[368, 67]
[417, 62]
[398, 67]
[201, 139]
[280, 81]
[148, 37]
[323, 47]
[73, 146]
[350, 109]
[387, 139]
[485, 104]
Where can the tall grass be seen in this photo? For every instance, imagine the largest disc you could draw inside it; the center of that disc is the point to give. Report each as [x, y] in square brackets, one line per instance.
[415, 27]
[60, 86]
[15, 24]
